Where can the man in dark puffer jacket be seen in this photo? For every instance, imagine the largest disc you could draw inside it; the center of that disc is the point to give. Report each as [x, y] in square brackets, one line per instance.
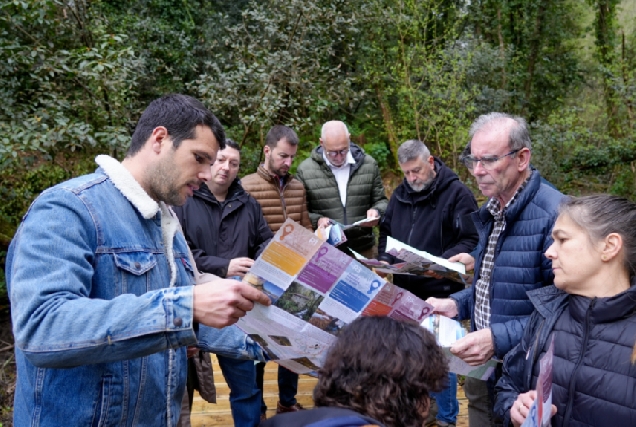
[343, 184]
[514, 232]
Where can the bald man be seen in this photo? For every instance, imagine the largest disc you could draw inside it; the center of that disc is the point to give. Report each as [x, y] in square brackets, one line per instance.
[343, 184]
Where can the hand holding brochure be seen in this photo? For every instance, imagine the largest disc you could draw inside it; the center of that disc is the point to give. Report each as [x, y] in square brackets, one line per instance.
[333, 234]
[446, 332]
[541, 410]
[315, 290]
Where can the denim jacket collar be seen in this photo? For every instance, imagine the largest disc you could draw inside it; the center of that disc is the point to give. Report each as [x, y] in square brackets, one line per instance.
[128, 186]
[123, 180]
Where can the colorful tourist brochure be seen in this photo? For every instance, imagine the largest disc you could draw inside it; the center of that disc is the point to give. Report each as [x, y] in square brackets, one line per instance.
[447, 331]
[541, 410]
[333, 234]
[315, 290]
[419, 263]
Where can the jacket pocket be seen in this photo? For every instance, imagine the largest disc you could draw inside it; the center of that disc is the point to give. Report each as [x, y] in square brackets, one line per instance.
[135, 269]
[136, 263]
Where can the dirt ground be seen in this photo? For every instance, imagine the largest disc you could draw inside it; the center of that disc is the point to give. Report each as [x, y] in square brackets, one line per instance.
[7, 368]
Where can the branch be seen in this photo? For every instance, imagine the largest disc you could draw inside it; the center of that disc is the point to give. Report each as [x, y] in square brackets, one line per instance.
[22, 30]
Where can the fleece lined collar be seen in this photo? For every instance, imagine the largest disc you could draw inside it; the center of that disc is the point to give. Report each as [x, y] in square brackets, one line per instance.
[123, 180]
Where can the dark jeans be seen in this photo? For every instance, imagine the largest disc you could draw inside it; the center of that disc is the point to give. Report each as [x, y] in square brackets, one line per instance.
[245, 397]
[287, 385]
[447, 404]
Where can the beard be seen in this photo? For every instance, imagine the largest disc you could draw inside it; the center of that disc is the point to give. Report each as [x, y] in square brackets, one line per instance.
[421, 186]
[280, 172]
[162, 185]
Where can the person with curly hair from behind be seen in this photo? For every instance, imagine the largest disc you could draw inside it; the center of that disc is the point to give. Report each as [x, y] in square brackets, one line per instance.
[380, 372]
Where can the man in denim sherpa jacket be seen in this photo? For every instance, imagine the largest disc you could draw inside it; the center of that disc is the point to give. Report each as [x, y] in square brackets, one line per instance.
[101, 281]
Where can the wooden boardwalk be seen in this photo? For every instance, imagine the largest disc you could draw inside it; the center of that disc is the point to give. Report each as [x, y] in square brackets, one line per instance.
[219, 415]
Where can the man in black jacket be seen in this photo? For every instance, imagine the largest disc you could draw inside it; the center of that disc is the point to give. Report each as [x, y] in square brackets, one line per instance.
[430, 211]
[225, 229]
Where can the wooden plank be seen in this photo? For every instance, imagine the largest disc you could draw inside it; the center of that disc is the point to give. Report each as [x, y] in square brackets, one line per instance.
[205, 414]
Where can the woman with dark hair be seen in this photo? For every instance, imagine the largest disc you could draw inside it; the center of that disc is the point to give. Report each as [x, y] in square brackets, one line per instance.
[379, 372]
[590, 312]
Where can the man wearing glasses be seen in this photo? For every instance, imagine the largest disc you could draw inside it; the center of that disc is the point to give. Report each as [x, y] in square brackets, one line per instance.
[343, 185]
[514, 232]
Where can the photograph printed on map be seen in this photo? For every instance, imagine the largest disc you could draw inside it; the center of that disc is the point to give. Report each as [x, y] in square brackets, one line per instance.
[280, 340]
[265, 286]
[300, 301]
[263, 343]
[307, 363]
[327, 323]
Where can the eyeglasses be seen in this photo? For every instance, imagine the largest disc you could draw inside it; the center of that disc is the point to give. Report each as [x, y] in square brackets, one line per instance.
[339, 152]
[487, 162]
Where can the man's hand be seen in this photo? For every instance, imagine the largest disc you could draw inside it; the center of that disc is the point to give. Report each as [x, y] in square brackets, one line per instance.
[239, 266]
[521, 407]
[323, 222]
[475, 348]
[372, 214]
[191, 351]
[444, 306]
[222, 302]
[465, 259]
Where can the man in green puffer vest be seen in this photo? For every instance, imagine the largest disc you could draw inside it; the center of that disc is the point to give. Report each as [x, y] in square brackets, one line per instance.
[343, 184]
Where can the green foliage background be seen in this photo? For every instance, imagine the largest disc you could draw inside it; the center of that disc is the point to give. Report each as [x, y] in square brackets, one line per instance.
[75, 76]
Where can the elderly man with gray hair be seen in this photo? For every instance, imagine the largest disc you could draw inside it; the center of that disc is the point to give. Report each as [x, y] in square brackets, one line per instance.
[430, 210]
[514, 229]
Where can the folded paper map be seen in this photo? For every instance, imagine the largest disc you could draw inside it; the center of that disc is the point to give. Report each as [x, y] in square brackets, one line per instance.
[315, 290]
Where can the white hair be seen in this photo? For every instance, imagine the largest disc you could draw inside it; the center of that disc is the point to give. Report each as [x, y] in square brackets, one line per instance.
[331, 124]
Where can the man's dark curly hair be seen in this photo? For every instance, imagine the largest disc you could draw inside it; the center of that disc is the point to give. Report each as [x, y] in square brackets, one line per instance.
[385, 369]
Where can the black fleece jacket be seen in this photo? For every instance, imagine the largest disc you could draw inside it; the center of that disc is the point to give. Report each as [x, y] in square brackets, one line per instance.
[218, 231]
[436, 220]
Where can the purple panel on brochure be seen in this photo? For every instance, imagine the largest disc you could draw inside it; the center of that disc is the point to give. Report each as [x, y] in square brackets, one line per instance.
[408, 306]
[327, 264]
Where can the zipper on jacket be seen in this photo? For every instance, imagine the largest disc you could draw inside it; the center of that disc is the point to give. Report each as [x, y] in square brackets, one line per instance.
[281, 192]
[586, 331]
[408, 242]
[282, 202]
[535, 351]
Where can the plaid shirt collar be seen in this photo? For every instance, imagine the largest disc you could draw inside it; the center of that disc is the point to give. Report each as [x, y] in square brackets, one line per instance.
[494, 207]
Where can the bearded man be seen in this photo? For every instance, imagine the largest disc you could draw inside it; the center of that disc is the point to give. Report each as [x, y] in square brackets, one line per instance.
[281, 196]
[430, 210]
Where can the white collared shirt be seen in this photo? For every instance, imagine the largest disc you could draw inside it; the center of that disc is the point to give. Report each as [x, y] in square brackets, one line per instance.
[341, 173]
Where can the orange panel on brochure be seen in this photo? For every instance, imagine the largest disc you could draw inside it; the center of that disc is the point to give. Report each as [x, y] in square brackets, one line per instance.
[283, 258]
